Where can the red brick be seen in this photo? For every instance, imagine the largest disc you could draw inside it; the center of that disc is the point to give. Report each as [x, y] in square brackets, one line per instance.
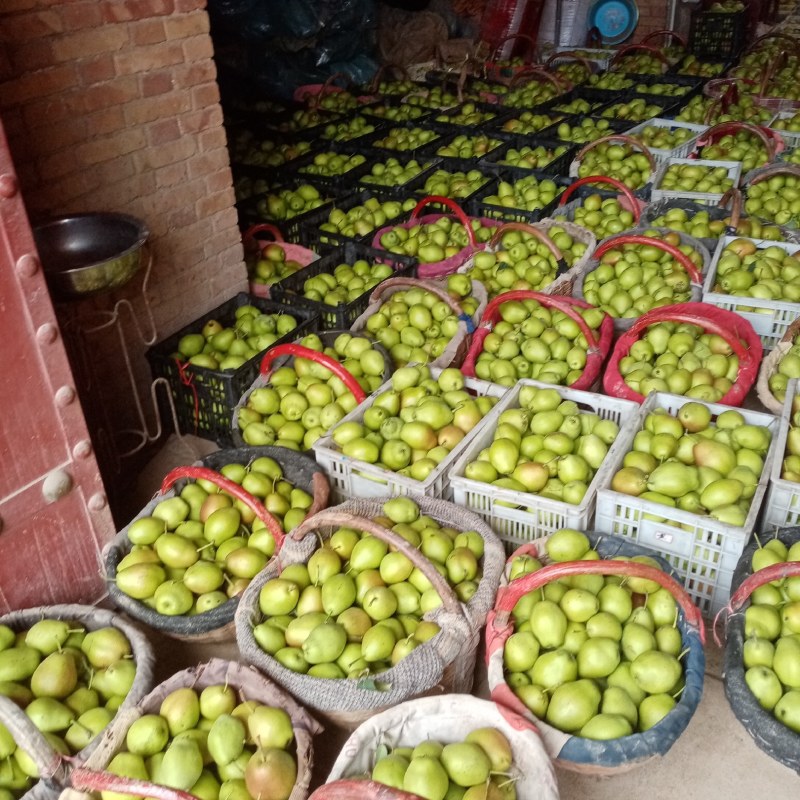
[156, 83]
[173, 174]
[221, 179]
[48, 111]
[147, 59]
[10, 6]
[184, 147]
[181, 27]
[211, 139]
[203, 96]
[204, 164]
[106, 121]
[199, 72]
[108, 39]
[113, 93]
[115, 170]
[215, 202]
[142, 9]
[79, 15]
[147, 31]
[181, 217]
[97, 69]
[202, 120]
[163, 131]
[184, 6]
[32, 55]
[104, 149]
[160, 107]
[226, 219]
[24, 27]
[38, 84]
[116, 11]
[198, 48]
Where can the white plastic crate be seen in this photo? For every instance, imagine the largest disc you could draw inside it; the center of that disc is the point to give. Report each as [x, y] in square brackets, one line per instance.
[791, 138]
[734, 169]
[769, 318]
[682, 150]
[351, 478]
[702, 550]
[531, 516]
[783, 500]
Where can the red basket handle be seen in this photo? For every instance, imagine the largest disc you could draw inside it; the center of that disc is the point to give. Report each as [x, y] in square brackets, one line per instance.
[509, 595]
[88, 780]
[619, 137]
[416, 283]
[548, 300]
[681, 40]
[332, 517]
[272, 525]
[635, 205]
[631, 48]
[776, 169]
[561, 84]
[775, 572]
[453, 206]
[299, 351]
[249, 236]
[681, 258]
[724, 128]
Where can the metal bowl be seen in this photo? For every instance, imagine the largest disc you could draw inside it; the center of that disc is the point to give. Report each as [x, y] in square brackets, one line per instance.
[85, 254]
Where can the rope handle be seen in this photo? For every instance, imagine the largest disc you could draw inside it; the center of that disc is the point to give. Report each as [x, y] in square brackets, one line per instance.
[344, 519]
[547, 300]
[27, 735]
[795, 43]
[724, 128]
[681, 40]
[569, 55]
[638, 48]
[775, 572]
[680, 257]
[524, 36]
[298, 351]
[416, 283]
[453, 206]
[560, 83]
[635, 206]
[376, 80]
[734, 197]
[255, 505]
[327, 88]
[89, 780]
[619, 137]
[776, 169]
[509, 595]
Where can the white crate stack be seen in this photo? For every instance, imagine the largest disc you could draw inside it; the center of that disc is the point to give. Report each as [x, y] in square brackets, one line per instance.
[702, 550]
[682, 150]
[791, 138]
[733, 168]
[520, 517]
[769, 318]
[782, 507]
[351, 478]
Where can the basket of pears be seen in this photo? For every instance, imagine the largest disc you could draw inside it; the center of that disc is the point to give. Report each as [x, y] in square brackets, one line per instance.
[617, 156]
[778, 367]
[270, 261]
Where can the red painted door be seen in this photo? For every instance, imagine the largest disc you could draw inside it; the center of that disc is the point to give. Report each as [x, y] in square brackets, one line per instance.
[54, 514]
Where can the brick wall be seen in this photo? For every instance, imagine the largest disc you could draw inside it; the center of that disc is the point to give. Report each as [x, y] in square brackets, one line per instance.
[113, 105]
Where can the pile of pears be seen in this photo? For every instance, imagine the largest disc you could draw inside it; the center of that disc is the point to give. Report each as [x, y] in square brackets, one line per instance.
[528, 193]
[200, 548]
[621, 161]
[69, 681]
[533, 341]
[527, 157]
[455, 184]
[363, 219]
[406, 138]
[213, 744]
[547, 446]
[701, 226]
[303, 400]
[595, 656]
[431, 242]
[791, 458]
[288, 203]
[690, 461]
[681, 358]
[662, 138]
[477, 768]
[603, 216]
[776, 199]
[766, 273]
[271, 265]
[358, 607]
[771, 653]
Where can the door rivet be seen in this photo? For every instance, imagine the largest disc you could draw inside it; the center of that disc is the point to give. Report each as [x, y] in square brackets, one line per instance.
[28, 265]
[97, 502]
[9, 186]
[57, 484]
[65, 395]
[47, 333]
[83, 449]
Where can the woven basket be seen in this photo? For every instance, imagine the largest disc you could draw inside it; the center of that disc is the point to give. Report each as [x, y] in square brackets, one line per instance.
[359, 789]
[728, 325]
[249, 685]
[623, 323]
[283, 356]
[445, 663]
[769, 366]
[575, 753]
[618, 63]
[54, 768]
[697, 246]
[764, 173]
[770, 735]
[253, 243]
[642, 191]
[215, 625]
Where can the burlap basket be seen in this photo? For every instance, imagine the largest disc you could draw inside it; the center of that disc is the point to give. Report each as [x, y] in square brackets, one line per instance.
[765, 172]
[359, 789]
[249, 685]
[769, 734]
[448, 719]
[454, 353]
[769, 366]
[283, 356]
[576, 753]
[624, 323]
[52, 766]
[217, 624]
[444, 663]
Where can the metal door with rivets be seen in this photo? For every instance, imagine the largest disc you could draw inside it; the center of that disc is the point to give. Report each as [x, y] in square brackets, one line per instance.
[54, 514]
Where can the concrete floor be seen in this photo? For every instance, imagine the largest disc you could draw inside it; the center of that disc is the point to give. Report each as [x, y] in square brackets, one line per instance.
[714, 758]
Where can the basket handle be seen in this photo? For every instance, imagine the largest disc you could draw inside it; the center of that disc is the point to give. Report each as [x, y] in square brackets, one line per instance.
[570, 55]
[681, 40]
[372, 87]
[89, 780]
[724, 128]
[30, 738]
[346, 519]
[561, 84]
[327, 88]
[547, 300]
[681, 258]
[356, 789]
[508, 595]
[776, 169]
[453, 206]
[524, 36]
[734, 197]
[272, 524]
[416, 283]
[635, 206]
[619, 137]
[795, 44]
[249, 236]
[775, 572]
[638, 48]
[299, 351]
[533, 231]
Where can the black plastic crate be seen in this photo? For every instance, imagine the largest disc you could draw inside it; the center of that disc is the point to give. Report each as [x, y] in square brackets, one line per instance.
[400, 191]
[467, 202]
[342, 182]
[374, 122]
[341, 317]
[205, 398]
[596, 98]
[691, 84]
[457, 162]
[715, 35]
[516, 116]
[614, 126]
[510, 213]
[445, 119]
[371, 140]
[558, 165]
[396, 101]
[666, 107]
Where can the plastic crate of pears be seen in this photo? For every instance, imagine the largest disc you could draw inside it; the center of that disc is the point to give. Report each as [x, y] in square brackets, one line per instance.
[689, 483]
[782, 507]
